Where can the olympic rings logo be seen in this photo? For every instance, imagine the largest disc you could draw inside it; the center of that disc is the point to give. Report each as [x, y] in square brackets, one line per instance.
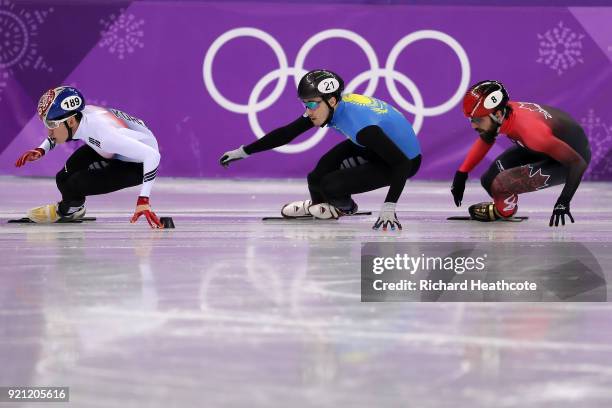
[254, 105]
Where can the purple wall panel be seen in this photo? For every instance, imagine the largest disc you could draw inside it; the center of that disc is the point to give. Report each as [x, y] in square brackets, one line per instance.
[148, 59]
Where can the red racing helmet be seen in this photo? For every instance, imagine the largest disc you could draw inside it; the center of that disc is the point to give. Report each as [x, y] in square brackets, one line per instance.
[484, 98]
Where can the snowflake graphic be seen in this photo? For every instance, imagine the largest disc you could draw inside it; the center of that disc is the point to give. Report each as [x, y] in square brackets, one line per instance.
[600, 137]
[560, 48]
[18, 46]
[122, 34]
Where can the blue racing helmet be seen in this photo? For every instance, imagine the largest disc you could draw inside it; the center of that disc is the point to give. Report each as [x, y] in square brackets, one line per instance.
[58, 104]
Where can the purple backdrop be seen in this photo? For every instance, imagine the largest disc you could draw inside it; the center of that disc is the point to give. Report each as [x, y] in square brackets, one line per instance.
[150, 59]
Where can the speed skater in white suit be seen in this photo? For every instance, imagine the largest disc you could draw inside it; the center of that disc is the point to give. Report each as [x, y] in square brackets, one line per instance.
[119, 152]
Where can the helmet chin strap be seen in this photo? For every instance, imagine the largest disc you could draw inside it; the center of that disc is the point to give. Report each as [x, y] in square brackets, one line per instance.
[498, 121]
[330, 115]
[69, 130]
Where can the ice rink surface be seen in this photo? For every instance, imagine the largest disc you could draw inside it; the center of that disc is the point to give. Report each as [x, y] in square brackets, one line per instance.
[229, 311]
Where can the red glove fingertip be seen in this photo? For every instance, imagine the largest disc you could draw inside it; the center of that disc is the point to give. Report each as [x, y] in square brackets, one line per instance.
[135, 217]
[20, 162]
[153, 220]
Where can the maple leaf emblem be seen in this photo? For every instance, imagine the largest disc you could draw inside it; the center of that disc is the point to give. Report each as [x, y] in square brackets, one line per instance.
[537, 180]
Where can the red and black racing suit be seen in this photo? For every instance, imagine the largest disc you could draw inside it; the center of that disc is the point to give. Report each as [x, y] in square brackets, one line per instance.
[551, 149]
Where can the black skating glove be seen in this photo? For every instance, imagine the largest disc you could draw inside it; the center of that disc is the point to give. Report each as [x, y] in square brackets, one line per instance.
[562, 208]
[458, 187]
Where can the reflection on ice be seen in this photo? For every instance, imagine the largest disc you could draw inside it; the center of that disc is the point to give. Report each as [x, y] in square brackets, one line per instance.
[228, 311]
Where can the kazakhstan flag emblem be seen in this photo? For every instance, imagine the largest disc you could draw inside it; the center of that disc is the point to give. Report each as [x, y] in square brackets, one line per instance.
[362, 100]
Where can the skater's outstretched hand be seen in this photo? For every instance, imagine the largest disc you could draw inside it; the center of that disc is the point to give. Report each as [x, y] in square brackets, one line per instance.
[233, 155]
[458, 187]
[387, 218]
[143, 208]
[30, 155]
[559, 212]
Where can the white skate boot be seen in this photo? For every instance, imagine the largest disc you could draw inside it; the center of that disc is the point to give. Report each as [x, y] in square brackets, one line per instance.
[325, 211]
[296, 209]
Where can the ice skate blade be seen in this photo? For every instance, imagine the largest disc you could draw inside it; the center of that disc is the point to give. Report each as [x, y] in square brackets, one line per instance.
[26, 220]
[310, 217]
[468, 218]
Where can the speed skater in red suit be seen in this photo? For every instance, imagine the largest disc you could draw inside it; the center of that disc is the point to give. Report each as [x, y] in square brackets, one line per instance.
[550, 149]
